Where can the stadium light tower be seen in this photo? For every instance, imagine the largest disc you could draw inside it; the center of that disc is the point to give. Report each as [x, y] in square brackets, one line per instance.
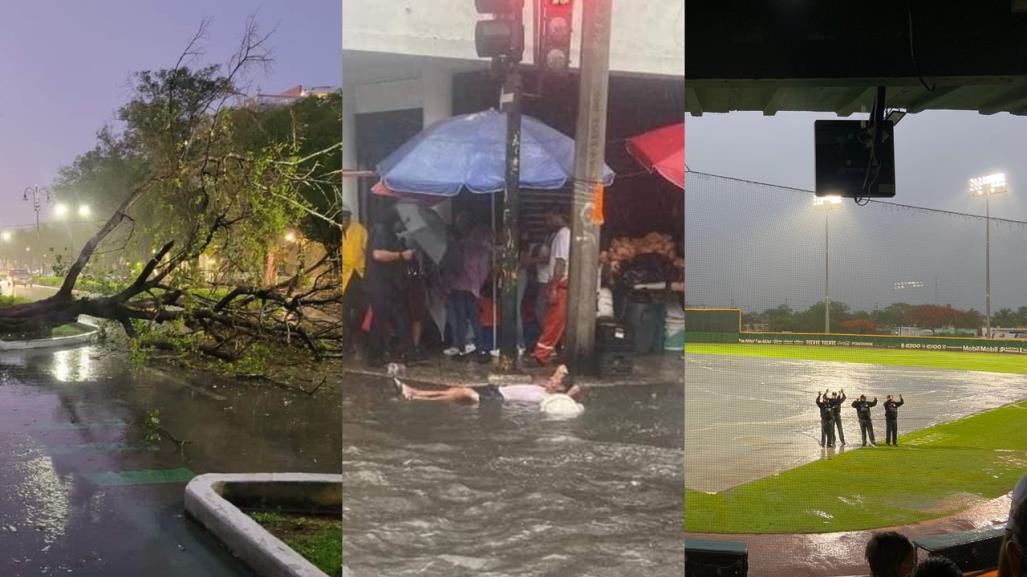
[827, 204]
[987, 186]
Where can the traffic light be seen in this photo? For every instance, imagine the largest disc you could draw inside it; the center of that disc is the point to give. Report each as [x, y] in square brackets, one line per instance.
[553, 43]
[501, 37]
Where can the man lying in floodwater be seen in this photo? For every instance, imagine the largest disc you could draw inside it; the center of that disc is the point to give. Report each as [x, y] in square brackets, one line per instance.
[560, 382]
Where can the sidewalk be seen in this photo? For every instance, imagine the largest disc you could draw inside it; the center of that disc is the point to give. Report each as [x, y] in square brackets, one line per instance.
[667, 367]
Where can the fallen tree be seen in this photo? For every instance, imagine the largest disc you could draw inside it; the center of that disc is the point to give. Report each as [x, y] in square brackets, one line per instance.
[196, 189]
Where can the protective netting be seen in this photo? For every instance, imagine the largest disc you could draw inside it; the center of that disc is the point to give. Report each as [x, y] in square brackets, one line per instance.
[757, 246]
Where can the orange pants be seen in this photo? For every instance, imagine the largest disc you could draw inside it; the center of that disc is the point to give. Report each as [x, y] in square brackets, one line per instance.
[555, 324]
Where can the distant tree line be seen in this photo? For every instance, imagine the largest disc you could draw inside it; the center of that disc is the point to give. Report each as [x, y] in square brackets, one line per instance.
[880, 321]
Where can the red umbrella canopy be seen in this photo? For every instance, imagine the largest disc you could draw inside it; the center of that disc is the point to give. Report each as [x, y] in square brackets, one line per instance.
[662, 150]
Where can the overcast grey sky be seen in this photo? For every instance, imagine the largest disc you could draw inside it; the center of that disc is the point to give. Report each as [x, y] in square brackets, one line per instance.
[66, 66]
[936, 153]
[758, 247]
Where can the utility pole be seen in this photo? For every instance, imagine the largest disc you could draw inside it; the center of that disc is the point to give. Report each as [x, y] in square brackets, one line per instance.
[589, 161]
[501, 38]
[511, 106]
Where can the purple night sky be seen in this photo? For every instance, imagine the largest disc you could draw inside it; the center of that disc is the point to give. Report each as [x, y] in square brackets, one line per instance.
[66, 66]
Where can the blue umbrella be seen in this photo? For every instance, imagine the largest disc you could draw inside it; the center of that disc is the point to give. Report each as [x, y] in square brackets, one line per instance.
[469, 151]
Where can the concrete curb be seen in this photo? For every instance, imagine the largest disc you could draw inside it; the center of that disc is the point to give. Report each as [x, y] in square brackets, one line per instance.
[52, 342]
[263, 552]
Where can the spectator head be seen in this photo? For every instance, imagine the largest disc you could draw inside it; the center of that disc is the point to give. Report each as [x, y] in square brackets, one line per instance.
[890, 554]
[862, 397]
[463, 222]
[834, 395]
[561, 380]
[556, 216]
[347, 217]
[1013, 558]
[937, 567]
[889, 397]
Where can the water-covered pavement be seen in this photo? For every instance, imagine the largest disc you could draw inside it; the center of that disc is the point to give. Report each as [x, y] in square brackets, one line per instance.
[434, 489]
[752, 417]
[83, 491]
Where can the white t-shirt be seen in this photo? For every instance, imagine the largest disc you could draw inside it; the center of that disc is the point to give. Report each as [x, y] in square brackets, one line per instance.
[523, 393]
[560, 249]
[544, 273]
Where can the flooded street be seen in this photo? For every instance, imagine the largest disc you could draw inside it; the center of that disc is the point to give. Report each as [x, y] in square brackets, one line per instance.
[752, 417]
[86, 493]
[434, 489]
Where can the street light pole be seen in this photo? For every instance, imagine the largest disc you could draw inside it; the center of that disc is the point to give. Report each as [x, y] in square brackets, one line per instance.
[987, 265]
[827, 272]
[38, 196]
[986, 186]
[827, 203]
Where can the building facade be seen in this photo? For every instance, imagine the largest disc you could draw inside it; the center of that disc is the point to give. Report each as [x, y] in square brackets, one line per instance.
[411, 63]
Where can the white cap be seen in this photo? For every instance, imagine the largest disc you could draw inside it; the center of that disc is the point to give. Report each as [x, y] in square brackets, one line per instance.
[1019, 494]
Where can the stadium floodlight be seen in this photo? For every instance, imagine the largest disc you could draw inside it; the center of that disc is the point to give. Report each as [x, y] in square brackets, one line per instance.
[908, 284]
[6, 235]
[84, 211]
[827, 203]
[60, 210]
[988, 186]
[830, 200]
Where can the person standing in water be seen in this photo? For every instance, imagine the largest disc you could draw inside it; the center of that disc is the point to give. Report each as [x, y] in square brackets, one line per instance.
[891, 420]
[866, 426]
[836, 412]
[826, 420]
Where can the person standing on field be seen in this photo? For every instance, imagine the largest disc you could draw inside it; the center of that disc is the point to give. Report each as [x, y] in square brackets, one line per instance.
[891, 420]
[866, 426]
[836, 412]
[826, 420]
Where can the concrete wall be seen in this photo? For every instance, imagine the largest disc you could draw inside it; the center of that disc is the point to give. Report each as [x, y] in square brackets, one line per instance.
[648, 36]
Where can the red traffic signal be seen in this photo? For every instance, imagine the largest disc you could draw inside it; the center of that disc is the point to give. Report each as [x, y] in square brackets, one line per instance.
[553, 45]
[502, 36]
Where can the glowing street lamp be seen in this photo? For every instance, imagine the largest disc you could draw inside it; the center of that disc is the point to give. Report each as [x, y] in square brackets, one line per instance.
[6, 236]
[290, 237]
[84, 211]
[987, 186]
[60, 210]
[827, 204]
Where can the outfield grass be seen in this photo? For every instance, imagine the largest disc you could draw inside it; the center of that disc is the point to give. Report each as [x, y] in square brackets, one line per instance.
[318, 539]
[933, 472]
[991, 362]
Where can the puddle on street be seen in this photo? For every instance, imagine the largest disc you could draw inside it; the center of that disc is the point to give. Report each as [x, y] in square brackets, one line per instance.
[83, 484]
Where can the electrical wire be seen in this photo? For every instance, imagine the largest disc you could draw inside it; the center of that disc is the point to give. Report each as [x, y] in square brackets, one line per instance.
[994, 219]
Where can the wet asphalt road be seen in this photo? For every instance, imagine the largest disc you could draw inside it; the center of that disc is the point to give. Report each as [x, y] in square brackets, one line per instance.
[83, 492]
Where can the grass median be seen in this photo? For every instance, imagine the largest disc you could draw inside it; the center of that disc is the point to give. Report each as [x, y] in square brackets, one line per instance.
[934, 472]
[318, 539]
[952, 360]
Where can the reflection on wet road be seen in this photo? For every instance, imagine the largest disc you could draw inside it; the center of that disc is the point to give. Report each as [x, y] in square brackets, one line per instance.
[84, 493]
[748, 418]
[501, 491]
